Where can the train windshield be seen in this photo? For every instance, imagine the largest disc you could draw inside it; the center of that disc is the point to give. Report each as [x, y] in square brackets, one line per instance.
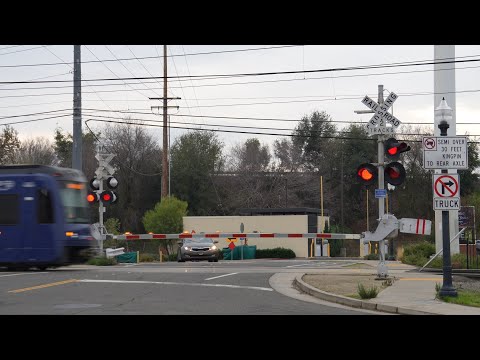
[73, 195]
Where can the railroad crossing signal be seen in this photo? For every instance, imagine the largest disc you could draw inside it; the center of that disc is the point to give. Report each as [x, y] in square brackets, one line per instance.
[377, 124]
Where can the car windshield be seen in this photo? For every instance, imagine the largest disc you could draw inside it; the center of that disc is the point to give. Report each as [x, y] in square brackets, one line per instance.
[198, 241]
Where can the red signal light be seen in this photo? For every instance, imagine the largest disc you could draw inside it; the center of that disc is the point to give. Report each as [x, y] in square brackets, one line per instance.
[395, 173]
[392, 151]
[108, 197]
[393, 148]
[92, 197]
[367, 173]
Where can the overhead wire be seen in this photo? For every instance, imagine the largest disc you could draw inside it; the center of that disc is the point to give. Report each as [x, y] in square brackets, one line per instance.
[150, 57]
[253, 133]
[234, 75]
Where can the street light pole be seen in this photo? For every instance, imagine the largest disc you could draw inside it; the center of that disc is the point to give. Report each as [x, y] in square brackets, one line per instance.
[445, 112]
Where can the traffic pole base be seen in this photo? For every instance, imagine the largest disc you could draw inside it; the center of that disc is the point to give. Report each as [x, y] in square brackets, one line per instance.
[448, 291]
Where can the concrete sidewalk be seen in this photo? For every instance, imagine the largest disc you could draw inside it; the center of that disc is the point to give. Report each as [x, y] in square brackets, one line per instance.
[412, 293]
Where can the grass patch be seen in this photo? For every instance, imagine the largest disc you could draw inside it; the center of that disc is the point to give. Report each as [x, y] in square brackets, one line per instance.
[465, 297]
[367, 293]
[101, 261]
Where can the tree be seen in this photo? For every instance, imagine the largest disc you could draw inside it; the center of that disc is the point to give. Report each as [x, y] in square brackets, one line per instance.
[63, 148]
[166, 218]
[469, 178]
[250, 156]
[9, 143]
[37, 150]
[138, 163]
[113, 226]
[313, 135]
[195, 156]
[288, 154]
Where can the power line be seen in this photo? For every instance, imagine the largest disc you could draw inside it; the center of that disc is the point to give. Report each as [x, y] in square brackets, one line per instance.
[8, 47]
[33, 114]
[246, 127]
[144, 67]
[34, 120]
[255, 133]
[258, 119]
[17, 51]
[70, 66]
[233, 75]
[243, 82]
[112, 71]
[152, 57]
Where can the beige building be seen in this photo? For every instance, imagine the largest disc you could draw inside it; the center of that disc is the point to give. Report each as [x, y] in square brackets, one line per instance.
[268, 221]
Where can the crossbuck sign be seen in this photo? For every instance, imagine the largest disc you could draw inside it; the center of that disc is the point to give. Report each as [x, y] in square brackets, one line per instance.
[378, 123]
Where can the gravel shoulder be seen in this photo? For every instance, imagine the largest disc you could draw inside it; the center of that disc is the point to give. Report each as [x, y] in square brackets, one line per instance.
[344, 284]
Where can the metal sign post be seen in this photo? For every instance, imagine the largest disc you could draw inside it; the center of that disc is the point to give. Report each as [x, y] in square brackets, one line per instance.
[447, 287]
[242, 241]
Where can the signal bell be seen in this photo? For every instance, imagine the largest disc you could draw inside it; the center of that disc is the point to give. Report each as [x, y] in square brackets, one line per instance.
[367, 173]
[112, 183]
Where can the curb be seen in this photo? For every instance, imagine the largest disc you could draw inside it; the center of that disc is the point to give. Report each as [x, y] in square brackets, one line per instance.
[299, 284]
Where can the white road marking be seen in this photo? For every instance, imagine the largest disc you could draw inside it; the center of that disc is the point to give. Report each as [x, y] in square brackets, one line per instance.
[32, 273]
[216, 277]
[297, 265]
[174, 283]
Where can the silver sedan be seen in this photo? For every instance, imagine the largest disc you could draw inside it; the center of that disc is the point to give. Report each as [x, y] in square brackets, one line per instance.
[198, 249]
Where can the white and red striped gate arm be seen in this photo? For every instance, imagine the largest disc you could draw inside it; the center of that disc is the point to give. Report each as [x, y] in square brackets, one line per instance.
[236, 235]
[415, 226]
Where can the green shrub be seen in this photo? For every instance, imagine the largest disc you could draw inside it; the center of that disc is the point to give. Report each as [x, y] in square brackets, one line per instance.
[369, 293]
[418, 254]
[277, 253]
[335, 246]
[148, 257]
[458, 261]
[170, 257]
[372, 257]
[424, 249]
[101, 261]
[415, 260]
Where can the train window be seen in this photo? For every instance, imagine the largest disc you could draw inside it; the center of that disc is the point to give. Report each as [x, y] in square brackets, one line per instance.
[44, 207]
[9, 209]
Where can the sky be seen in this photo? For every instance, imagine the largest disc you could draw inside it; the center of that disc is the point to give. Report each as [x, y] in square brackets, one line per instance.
[276, 96]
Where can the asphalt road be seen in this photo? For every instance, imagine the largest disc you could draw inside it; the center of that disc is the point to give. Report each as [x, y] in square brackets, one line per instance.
[226, 287]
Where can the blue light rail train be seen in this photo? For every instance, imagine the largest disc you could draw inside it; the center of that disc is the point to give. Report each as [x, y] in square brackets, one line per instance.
[44, 217]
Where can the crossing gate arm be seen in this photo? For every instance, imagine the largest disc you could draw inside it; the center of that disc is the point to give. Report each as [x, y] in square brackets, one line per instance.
[237, 235]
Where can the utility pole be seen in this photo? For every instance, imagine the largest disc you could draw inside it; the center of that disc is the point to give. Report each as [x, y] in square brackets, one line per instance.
[165, 169]
[165, 155]
[77, 110]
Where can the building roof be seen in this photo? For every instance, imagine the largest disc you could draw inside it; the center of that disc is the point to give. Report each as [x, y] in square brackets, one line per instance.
[281, 211]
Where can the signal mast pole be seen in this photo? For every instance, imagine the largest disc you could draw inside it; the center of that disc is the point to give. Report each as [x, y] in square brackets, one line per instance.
[382, 268]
